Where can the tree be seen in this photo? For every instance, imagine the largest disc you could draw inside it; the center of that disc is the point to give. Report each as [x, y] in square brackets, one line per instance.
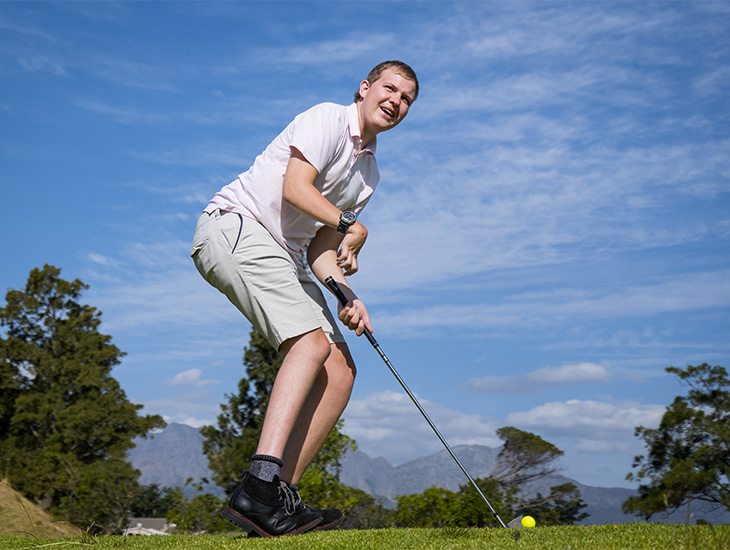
[525, 458]
[153, 502]
[688, 455]
[437, 507]
[471, 510]
[230, 446]
[431, 508]
[200, 514]
[364, 511]
[66, 423]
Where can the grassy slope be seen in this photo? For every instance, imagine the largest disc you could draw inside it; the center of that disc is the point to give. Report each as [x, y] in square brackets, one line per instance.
[602, 537]
[19, 517]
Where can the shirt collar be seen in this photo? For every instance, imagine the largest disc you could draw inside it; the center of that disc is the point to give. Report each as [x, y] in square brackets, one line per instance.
[354, 124]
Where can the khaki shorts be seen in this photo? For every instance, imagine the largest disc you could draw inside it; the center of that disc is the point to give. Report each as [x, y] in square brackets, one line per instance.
[241, 259]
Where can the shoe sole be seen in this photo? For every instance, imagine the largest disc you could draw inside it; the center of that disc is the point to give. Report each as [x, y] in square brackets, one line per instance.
[244, 523]
[330, 525]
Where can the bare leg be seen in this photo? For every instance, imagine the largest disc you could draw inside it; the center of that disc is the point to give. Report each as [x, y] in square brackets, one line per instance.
[304, 357]
[324, 405]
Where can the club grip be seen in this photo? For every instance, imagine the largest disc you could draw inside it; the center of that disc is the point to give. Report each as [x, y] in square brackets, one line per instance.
[334, 287]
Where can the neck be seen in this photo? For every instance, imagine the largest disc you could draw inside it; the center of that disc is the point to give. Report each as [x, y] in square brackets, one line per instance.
[366, 136]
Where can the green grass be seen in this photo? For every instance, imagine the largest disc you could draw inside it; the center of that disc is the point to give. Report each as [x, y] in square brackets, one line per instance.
[600, 537]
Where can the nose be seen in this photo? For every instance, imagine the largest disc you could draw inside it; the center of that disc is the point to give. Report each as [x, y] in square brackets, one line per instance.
[394, 99]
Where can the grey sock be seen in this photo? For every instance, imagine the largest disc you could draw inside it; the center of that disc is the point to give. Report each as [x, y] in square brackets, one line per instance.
[265, 467]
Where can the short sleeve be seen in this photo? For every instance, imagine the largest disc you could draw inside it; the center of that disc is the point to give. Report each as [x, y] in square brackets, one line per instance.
[318, 134]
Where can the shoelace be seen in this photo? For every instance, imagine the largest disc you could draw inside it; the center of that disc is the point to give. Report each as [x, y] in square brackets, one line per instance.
[292, 500]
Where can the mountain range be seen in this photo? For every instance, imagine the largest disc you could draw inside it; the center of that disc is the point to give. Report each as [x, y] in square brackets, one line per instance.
[174, 455]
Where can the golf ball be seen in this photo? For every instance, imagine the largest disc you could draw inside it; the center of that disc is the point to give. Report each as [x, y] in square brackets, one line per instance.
[528, 521]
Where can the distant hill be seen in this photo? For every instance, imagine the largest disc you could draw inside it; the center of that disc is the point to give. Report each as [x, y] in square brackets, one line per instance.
[379, 478]
[176, 454]
[170, 457]
[21, 518]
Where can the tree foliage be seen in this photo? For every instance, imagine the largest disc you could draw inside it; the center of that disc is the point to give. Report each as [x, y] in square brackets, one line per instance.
[437, 507]
[364, 511]
[65, 423]
[151, 501]
[688, 455]
[199, 514]
[525, 458]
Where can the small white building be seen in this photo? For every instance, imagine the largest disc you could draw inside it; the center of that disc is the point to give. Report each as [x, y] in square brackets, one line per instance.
[148, 527]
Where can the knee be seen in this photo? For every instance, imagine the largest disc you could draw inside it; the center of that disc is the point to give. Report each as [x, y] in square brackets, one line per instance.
[322, 347]
[312, 345]
[341, 365]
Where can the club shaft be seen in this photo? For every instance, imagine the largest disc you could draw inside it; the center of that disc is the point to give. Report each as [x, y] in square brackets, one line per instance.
[332, 284]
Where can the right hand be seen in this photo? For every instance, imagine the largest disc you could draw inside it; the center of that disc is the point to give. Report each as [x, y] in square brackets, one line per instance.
[355, 316]
[350, 247]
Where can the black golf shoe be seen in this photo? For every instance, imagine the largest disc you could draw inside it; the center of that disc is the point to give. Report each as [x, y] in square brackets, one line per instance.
[269, 510]
[331, 517]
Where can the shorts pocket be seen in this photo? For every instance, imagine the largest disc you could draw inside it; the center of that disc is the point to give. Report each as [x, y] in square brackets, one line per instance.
[201, 237]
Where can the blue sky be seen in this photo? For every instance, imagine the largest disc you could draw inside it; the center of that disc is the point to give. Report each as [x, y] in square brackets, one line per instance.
[551, 230]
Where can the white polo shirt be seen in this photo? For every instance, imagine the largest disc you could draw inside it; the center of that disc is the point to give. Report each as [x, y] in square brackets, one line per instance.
[328, 135]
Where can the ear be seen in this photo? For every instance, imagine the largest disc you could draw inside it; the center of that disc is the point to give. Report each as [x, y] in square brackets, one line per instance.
[364, 87]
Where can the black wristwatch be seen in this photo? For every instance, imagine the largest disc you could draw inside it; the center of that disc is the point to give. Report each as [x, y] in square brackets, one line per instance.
[347, 219]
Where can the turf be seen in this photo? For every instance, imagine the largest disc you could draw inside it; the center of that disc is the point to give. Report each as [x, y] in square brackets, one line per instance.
[634, 536]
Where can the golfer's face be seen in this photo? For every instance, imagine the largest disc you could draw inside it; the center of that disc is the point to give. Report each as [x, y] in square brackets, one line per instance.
[386, 101]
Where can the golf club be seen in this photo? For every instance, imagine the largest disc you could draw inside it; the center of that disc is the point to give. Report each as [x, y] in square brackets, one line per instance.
[332, 284]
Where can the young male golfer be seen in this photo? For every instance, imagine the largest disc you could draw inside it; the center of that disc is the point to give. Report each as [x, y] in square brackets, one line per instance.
[304, 192]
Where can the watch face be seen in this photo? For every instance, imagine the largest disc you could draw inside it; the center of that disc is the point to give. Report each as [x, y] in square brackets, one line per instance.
[348, 217]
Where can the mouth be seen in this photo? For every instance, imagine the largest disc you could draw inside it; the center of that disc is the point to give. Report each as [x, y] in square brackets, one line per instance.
[390, 113]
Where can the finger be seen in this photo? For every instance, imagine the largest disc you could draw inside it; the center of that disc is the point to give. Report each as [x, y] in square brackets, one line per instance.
[366, 322]
[354, 321]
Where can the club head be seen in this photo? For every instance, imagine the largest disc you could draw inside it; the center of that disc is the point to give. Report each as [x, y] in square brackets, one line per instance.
[516, 523]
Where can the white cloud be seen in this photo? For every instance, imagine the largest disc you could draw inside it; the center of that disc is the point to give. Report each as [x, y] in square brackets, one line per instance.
[666, 294]
[190, 421]
[540, 379]
[388, 424]
[186, 408]
[27, 30]
[102, 259]
[587, 420]
[42, 64]
[170, 296]
[594, 446]
[190, 378]
[715, 82]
